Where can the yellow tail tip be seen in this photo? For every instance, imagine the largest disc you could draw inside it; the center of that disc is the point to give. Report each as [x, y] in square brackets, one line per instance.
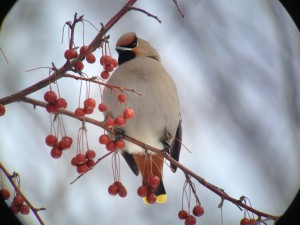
[161, 199]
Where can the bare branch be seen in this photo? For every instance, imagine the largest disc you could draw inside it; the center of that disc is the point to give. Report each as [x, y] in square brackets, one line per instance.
[144, 11]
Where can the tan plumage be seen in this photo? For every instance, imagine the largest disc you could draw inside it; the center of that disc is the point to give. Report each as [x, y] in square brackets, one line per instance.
[157, 115]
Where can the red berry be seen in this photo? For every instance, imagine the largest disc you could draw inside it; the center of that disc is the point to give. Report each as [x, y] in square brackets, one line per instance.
[4, 193]
[104, 139]
[119, 121]
[198, 210]
[74, 161]
[142, 191]
[114, 62]
[18, 200]
[245, 221]
[104, 74]
[154, 181]
[79, 65]
[55, 152]
[151, 198]
[50, 107]
[24, 209]
[122, 191]
[89, 103]
[70, 54]
[90, 154]
[120, 144]
[122, 97]
[109, 122]
[252, 222]
[88, 110]
[182, 214]
[110, 146]
[113, 189]
[128, 113]
[51, 140]
[109, 68]
[83, 49]
[82, 168]
[80, 159]
[190, 220]
[60, 103]
[79, 113]
[14, 209]
[2, 110]
[50, 96]
[90, 58]
[90, 163]
[102, 107]
[105, 60]
[65, 143]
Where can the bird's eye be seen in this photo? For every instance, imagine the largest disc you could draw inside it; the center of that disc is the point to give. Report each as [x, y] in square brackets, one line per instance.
[134, 43]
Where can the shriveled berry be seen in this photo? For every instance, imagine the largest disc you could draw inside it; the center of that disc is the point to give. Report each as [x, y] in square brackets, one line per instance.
[50, 96]
[151, 198]
[198, 210]
[120, 121]
[154, 181]
[65, 143]
[104, 74]
[79, 65]
[90, 154]
[122, 97]
[79, 113]
[102, 107]
[18, 200]
[2, 110]
[90, 58]
[182, 214]
[104, 139]
[51, 140]
[24, 209]
[4, 193]
[142, 191]
[55, 152]
[128, 113]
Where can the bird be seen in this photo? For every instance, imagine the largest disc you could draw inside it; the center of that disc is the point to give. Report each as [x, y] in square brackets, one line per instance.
[157, 120]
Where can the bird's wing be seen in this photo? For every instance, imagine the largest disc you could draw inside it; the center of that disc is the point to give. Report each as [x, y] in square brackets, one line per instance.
[130, 161]
[175, 152]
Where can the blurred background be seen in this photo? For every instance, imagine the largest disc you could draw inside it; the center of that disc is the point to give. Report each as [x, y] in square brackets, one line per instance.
[236, 66]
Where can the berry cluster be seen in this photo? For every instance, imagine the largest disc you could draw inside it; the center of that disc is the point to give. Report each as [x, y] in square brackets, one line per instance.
[198, 211]
[54, 103]
[110, 144]
[18, 205]
[117, 188]
[83, 160]
[148, 191]
[58, 146]
[88, 108]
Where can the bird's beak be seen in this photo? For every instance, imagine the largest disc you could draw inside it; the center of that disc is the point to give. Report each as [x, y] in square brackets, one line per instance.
[120, 48]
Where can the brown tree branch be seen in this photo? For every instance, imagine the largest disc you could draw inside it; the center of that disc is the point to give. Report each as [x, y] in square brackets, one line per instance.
[184, 169]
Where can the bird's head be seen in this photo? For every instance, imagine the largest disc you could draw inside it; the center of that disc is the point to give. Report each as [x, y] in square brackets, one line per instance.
[129, 46]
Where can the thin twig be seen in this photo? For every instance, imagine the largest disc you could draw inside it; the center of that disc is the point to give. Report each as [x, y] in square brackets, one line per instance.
[178, 8]
[144, 11]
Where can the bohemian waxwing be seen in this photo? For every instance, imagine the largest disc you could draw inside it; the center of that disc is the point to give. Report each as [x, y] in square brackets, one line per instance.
[157, 120]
